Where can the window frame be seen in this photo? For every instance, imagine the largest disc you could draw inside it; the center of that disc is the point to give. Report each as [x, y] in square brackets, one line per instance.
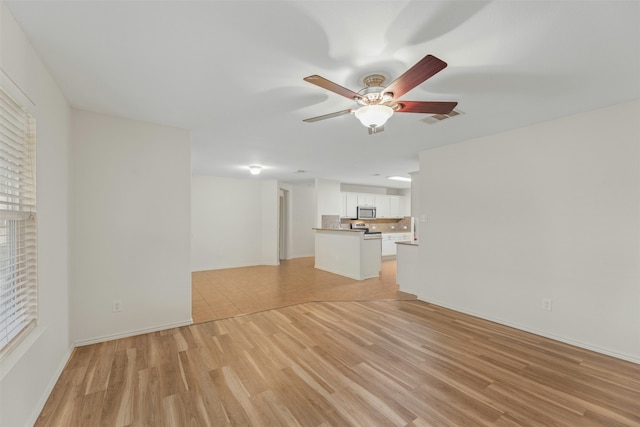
[18, 224]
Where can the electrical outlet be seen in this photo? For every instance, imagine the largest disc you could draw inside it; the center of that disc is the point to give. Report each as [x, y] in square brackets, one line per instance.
[547, 304]
[423, 218]
[116, 306]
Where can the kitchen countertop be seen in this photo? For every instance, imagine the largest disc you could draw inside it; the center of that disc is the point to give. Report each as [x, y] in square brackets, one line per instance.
[355, 229]
[367, 236]
[408, 243]
[339, 229]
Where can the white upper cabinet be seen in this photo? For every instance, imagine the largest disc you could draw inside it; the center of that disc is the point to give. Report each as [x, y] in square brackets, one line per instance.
[349, 205]
[396, 207]
[382, 206]
[387, 206]
[390, 206]
[365, 199]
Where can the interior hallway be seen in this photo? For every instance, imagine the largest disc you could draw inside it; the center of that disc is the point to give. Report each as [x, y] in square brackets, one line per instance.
[218, 294]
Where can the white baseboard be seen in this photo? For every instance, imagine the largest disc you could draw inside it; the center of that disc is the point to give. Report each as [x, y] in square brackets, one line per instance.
[227, 266]
[49, 389]
[601, 350]
[340, 273]
[296, 256]
[132, 333]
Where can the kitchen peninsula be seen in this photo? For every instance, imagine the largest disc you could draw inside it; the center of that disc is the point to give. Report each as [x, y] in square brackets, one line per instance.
[348, 252]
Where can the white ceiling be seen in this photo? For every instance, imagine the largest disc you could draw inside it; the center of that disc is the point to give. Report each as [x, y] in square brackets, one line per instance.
[231, 72]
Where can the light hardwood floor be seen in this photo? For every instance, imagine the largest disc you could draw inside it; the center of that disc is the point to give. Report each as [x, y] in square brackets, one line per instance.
[343, 363]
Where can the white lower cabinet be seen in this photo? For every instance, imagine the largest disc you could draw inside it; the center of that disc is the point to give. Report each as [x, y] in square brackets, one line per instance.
[388, 246]
[389, 242]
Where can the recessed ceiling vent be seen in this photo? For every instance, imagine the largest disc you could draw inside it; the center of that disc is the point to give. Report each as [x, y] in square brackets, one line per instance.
[436, 118]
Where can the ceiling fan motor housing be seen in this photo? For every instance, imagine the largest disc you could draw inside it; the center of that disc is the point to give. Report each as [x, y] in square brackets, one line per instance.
[373, 91]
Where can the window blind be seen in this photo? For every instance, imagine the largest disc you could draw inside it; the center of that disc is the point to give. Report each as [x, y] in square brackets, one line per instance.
[18, 234]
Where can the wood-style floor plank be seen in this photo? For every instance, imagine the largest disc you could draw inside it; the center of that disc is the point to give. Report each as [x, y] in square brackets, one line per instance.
[349, 363]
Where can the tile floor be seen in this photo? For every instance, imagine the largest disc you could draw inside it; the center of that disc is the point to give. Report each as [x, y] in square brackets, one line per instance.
[218, 294]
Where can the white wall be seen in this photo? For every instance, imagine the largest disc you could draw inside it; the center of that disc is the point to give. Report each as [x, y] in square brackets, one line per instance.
[302, 220]
[28, 374]
[408, 200]
[547, 211]
[270, 223]
[130, 227]
[327, 199]
[234, 222]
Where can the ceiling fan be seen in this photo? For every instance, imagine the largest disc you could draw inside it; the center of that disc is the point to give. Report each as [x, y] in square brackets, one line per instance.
[378, 103]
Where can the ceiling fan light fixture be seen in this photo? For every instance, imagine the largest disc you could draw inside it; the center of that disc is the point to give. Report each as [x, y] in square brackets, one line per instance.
[255, 170]
[374, 115]
[400, 178]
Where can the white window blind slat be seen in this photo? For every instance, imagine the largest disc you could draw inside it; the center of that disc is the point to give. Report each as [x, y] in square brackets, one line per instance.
[18, 232]
[10, 256]
[19, 306]
[13, 163]
[21, 310]
[13, 124]
[10, 170]
[9, 148]
[12, 134]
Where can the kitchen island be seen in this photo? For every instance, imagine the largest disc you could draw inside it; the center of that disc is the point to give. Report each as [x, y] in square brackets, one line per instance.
[348, 252]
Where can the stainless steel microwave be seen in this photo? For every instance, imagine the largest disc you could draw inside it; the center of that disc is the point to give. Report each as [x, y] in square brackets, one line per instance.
[366, 212]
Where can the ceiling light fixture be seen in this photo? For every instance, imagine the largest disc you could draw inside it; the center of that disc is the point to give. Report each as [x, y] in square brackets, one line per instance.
[255, 170]
[400, 178]
[374, 115]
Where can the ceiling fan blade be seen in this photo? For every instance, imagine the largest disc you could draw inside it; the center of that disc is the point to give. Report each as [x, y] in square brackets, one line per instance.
[331, 86]
[424, 69]
[328, 116]
[426, 107]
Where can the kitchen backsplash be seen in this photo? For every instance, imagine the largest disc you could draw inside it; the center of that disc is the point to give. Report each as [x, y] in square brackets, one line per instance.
[330, 221]
[386, 225]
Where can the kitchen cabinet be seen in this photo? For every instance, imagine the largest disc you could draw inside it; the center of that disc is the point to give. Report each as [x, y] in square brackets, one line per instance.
[388, 246]
[389, 241]
[387, 206]
[365, 199]
[349, 205]
[396, 207]
[382, 204]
